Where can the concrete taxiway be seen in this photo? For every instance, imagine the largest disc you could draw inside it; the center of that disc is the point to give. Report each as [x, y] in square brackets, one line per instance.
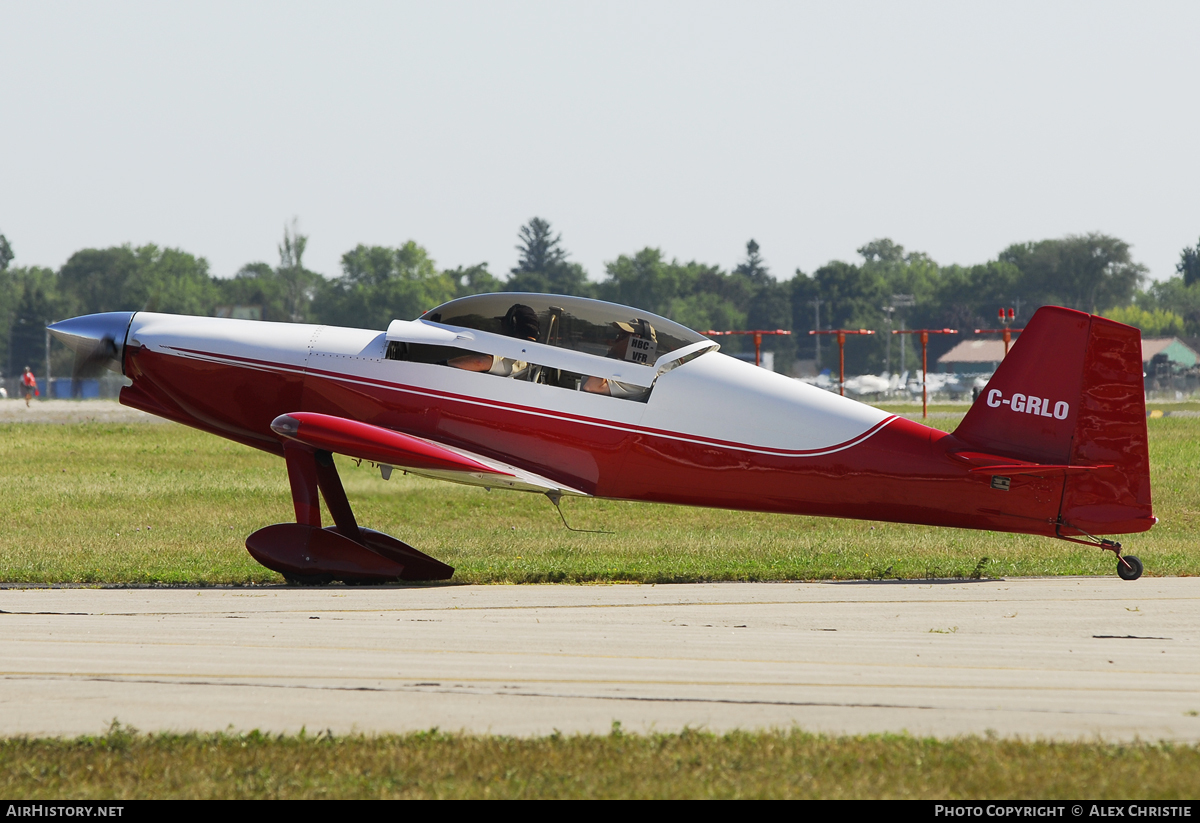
[14, 410]
[1067, 658]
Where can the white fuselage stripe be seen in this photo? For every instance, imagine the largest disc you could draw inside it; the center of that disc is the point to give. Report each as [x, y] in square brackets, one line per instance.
[680, 437]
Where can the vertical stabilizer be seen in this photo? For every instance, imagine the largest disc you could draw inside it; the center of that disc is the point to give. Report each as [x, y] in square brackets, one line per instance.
[1071, 392]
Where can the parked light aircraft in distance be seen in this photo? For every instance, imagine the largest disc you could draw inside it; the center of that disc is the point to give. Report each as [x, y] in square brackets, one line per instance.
[955, 385]
[569, 396]
[822, 380]
[878, 385]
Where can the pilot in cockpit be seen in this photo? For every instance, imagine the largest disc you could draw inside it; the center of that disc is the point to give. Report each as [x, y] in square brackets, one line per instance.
[520, 322]
[637, 343]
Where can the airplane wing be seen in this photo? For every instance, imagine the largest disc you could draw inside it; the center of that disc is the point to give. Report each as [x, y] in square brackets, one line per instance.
[417, 455]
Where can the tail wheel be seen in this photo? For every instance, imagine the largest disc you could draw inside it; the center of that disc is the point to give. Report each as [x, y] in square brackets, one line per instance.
[1129, 567]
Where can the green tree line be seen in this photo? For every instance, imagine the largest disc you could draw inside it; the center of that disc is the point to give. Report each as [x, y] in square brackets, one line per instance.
[886, 285]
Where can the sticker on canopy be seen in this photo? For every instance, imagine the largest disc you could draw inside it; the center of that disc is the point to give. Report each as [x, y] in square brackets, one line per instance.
[641, 350]
[639, 341]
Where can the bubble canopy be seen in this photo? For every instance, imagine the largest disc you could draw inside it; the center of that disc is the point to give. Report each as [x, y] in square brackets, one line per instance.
[576, 323]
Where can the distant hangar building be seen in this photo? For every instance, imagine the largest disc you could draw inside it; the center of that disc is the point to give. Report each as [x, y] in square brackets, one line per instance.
[1168, 350]
[979, 356]
[984, 356]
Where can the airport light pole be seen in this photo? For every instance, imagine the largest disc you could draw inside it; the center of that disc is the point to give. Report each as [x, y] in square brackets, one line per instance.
[887, 358]
[841, 338]
[816, 304]
[924, 360]
[901, 301]
[758, 336]
[1007, 332]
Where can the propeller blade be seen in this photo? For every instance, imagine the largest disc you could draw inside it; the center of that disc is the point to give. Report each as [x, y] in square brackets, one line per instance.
[93, 358]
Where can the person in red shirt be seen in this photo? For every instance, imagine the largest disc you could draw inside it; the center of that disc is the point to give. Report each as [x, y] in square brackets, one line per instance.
[29, 382]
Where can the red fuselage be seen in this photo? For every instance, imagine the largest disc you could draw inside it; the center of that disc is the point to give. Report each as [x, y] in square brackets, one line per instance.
[892, 469]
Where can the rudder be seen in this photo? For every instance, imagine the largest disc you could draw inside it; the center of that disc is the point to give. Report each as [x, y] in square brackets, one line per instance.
[1110, 429]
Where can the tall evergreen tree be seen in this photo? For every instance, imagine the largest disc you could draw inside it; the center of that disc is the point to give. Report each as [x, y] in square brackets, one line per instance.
[1188, 265]
[540, 249]
[543, 266]
[753, 267]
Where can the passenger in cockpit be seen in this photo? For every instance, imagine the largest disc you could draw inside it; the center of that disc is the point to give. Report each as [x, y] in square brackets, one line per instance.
[520, 322]
[637, 343]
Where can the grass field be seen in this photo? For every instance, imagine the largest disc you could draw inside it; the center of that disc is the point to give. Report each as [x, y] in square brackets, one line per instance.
[139, 503]
[793, 765]
[162, 504]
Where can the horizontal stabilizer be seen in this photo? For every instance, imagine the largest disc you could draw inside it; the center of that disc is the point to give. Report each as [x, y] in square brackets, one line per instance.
[1037, 469]
[992, 464]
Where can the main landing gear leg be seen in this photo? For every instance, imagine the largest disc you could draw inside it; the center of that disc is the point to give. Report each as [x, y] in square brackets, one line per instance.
[308, 555]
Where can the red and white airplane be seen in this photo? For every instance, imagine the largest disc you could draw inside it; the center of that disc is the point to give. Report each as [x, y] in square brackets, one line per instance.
[568, 396]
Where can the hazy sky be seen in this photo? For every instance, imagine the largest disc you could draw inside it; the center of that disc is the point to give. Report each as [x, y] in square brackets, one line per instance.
[953, 128]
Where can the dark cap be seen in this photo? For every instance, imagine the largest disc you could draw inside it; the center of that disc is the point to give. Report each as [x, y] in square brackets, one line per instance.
[521, 321]
[639, 327]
